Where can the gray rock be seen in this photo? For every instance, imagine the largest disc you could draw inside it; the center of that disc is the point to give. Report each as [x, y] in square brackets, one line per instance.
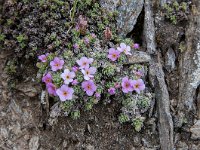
[198, 104]
[195, 147]
[54, 113]
[139, 57]
[110, 5]
[182, 146]
[3, 133]
[162, 2]
[165, 123]
[27, 89]
[34, 143]
[149, 28]
[195, 130]
[170, 58]
[128, 12]
[90, 147]
[190, 65]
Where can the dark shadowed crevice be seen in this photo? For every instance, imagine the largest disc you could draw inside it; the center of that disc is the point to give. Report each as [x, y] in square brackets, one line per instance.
[137, 33]
[197, 101]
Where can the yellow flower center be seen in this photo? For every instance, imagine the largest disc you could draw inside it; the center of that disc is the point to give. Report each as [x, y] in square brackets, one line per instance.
[114, 55]
[127, 85]
[136, 86]
[65, 93]
[89, 87]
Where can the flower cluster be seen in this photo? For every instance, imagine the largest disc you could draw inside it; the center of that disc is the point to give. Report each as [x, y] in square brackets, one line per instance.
[114, 54]
[86, 71]
[88, 85]
[65, 92]
[43, 58]
[129, 85]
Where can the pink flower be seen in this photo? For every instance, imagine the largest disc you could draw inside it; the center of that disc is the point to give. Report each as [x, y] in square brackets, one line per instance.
[124, 48]
[88, 72]
[77, 27]
[93, 35]
[127, 85]
[138, 85]
[111, 91]
[47, 78]
[67, 76]
[75, 68]
[97, 95]
[86, 41]
[117, 85]
[89, 87]
[75, 82]
[136, 46]
[76, 46]
[84, 62]
[56, 64]
[65, 93]
[113, 54]
[139, 73]
[43, 58]
[51, 88]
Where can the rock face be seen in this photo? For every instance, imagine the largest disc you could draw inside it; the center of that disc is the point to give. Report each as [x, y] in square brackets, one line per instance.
[170, 58]
[34, 143]
[190, 64]
[165, 120]
[128, 12]
[149, 28]
[195, 130]
[139, 57]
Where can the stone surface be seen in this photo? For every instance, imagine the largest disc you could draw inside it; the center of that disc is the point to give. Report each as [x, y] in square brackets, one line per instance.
[34, 143]
[195, 130]
[90, 147]
[28, 89]
[139, 57]
[110, 5]
[149, 28]
[128, 12]
[157, 80]
[165, 122]
[198, 104]
[163, 2]
[189, 67]
[182, 146]
[170, 58]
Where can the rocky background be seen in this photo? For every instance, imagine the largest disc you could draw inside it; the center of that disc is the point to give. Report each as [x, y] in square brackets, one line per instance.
[172, 51]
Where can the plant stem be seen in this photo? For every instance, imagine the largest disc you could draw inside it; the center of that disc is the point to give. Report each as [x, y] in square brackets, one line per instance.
[73, 10]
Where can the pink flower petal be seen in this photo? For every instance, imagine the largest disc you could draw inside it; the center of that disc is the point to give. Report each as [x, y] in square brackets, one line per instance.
[89, 92]
[123, 45]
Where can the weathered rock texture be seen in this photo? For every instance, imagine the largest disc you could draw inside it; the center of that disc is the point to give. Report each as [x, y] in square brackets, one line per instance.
[195, 130]
[139, 57]
[157, 77]
[165, 124]
[190, 64]
[128, 12]
[170, 59]
[149, 28]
